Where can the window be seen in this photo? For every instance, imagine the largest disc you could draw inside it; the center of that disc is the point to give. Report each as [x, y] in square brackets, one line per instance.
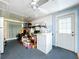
[13, 29]
[65, 25]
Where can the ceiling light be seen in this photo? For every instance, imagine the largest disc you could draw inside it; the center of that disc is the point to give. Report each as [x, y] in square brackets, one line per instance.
[34, 7]
[33, 3]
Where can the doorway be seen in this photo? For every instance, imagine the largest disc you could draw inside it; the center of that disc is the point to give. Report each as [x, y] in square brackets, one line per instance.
[66, 31]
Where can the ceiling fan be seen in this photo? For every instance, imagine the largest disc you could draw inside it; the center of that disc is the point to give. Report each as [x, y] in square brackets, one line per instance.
[36, 3]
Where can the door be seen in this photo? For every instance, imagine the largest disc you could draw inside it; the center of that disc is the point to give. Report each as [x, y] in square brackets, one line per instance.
[1, 35]
[66, 31]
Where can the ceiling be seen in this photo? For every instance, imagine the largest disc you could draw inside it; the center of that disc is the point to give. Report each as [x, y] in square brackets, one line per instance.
[23, 7]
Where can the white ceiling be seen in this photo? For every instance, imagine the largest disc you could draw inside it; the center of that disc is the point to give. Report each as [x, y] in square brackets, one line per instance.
[58, 5]
[23, 7]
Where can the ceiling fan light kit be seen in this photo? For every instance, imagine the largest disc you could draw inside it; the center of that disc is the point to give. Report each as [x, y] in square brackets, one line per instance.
[35, 0]
[34, 4]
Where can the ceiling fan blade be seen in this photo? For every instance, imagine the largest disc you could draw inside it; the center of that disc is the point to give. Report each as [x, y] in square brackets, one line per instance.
[41, 2]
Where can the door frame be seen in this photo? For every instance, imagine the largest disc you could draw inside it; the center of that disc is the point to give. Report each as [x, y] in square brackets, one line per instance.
[2, 35]
[76, 31]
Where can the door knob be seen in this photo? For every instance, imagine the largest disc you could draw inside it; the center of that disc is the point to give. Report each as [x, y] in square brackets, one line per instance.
[72, 34]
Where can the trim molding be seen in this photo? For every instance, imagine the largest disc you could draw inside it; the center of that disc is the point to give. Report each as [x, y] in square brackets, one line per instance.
[5, 2]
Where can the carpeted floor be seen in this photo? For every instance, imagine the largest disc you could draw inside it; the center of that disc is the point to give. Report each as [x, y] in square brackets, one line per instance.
[78, 55]
[0, 56]
[13, 50]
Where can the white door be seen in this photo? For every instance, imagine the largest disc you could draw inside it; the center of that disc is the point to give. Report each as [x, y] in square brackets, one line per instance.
[66, 31]
[1, 35]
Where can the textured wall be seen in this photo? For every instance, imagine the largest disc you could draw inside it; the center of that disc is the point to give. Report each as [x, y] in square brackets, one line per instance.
[73, 9]
[1, 34]
[45, 20]
[6, 31]
[11, 28]
[78, 30]
[51, 22]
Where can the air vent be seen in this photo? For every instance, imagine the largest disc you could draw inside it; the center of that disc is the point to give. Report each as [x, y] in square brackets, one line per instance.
[41, 2]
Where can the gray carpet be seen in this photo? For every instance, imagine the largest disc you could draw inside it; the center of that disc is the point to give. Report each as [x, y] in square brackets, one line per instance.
[14, 50]
[0, 56]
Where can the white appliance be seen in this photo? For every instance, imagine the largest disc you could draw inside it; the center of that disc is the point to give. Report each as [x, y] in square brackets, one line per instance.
[1, 35]
[44, 42]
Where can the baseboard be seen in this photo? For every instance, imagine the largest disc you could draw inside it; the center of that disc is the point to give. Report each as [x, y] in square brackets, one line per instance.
[11, 39]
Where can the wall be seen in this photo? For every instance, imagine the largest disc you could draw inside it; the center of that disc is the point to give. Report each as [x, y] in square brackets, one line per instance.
[6, 31]
[1, 35]
[53, 30]
[45, 20]
[78, 31]
[50, 23]
[66, 11]
[70, 10]
[11, 28]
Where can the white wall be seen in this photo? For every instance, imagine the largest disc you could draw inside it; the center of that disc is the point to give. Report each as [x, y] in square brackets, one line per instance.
[70, 10]
[78, 31]
[45, 20]
[1, 35]
[57, 5]
[50, 23]
[11, 28]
